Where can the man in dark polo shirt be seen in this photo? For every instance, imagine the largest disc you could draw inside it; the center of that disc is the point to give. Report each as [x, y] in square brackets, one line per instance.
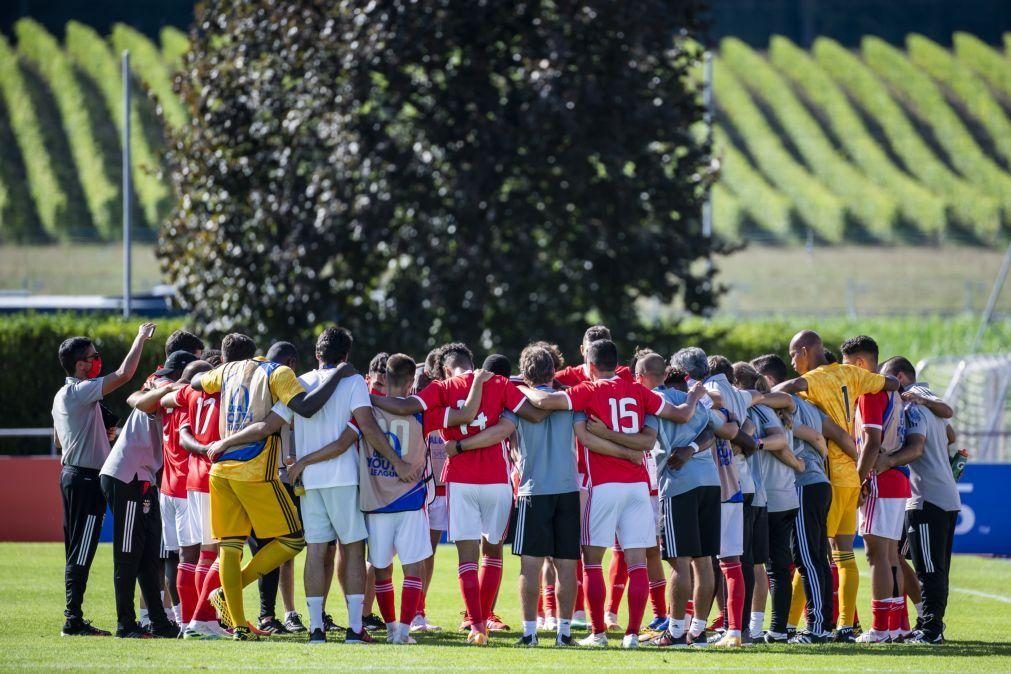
[84, 440]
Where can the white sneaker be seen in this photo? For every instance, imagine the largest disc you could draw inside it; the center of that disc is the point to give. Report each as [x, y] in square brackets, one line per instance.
[421, 624]
[550, 624]
[611, 621]
[595, 640]
[540, 624]
[630, 641]
[216, 627]
[873, 637]
[392, 633]
[402, 636]
[579, 620]
[201, 630]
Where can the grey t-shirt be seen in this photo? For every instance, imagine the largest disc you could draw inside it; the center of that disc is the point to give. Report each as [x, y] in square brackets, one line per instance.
[137, 453]
[814, 464]
[930, 477]
[77, 418]
[700, 469]
[737, 402]
[778, 480]
[547, 453]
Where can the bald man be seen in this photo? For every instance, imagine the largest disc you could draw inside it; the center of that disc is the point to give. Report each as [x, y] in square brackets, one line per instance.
[835, 388]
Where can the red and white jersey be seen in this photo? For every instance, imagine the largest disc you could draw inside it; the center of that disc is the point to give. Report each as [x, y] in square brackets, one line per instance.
[175, 459]
[432, 420]
[884, 410]
[622, 405]
[487, 465]
[577, 374]
[201, 417]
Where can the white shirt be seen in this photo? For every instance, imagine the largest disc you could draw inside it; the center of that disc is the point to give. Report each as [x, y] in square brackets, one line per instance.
[325, 427]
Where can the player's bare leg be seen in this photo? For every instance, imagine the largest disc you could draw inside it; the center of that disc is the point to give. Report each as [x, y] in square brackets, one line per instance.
[420, 623]
[530, 588]
[353, 557]
[565, 593]
[314, 578]
[758, 601]
[704, 580]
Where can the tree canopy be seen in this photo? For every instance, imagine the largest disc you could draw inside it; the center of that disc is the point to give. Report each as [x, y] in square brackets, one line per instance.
[494, 172]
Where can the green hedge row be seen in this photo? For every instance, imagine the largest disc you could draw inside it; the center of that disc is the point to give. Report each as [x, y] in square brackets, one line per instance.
[174, 44]
[727, 213]
[991, 64]
[821, 210]
[962, 150]
[872, 206]
[921, 209]
[974, 209]
[148, 64]
[762, 203]
[100, 190]
[18, 219]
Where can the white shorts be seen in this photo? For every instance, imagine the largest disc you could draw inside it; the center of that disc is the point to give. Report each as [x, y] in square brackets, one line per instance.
[405, 535]
[477, 510]
[176, 531]
[332, 513]
[731, 530]
[619, 510]
[438, 514]
[198, 509]
[654, 500]
[884, 517]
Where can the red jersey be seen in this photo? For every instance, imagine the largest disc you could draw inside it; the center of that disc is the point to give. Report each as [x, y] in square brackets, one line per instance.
[202, 420]
[487, 465]
[622, 405]
[577, 374]
[432, 422]
[883, 411]
[176, 460]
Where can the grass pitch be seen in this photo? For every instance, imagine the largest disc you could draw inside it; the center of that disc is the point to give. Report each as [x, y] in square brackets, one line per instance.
[31, 582]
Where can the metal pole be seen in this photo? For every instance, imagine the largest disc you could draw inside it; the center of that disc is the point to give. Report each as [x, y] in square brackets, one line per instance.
[127, 185]
[707, 101]
[991, 304]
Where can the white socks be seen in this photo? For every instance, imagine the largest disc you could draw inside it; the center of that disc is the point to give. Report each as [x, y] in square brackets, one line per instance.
[757, 620]
[356, 602]
[177, 611]
[565, 628]
[676, 628]
[698, 627]
[315, 605]
[529, 628]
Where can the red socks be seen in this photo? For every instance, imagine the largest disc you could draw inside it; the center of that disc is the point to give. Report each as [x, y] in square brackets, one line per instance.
[617, 575]
[186, 586]
[471, 591]
[689, 610]
[638, 594]
[895, 615]
[410, 597]
[880, 614]
[658, 597]
[593, 586]
[579, 606]
[735, 593]
[204, 611]
[386, 601]
[489, 580]
[550, 601]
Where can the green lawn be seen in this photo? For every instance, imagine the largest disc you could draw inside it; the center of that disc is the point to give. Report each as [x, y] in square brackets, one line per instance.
[31, 597]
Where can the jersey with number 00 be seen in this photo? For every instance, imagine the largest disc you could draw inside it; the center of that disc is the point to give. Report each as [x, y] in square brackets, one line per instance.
[202, 420]
[380, 488]
[622, 406]
[835, 389]
[486, 465]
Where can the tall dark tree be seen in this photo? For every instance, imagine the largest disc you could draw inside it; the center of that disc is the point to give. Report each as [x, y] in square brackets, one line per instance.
[488, 171]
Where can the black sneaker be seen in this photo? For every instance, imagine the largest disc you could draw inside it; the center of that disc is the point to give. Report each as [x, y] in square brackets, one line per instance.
[791, 632]
[243, 633]
[272, 625]
[528, 641]
[701, 641]
[329, 625]
[808, 637]
[76, 627]
[666, 640]
[565, 641]
[168, 630]
[775, 638]
[921, 637]
[844, 635]
[372, 622]
[293, 623]
[352, 637]
[317, 636]
[134, 631]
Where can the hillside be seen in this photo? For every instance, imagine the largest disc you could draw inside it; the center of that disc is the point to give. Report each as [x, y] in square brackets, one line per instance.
[828, 144]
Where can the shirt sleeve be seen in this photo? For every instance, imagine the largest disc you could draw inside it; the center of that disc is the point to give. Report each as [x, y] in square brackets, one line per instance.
[716, 420]
[651, 422]
[513, 397]
[511, 417]
[870, 382]
[210, 382]
[359, 394]
[916, 421]
[431, 396]
[89, 391]
[433, 419]
[579, 417]
[283, 411]
[284, 385]
[579, 396]
[872, 408]
[653, 402]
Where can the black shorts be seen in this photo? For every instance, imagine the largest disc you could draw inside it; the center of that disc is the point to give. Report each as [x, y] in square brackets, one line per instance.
[547, 526]
[690, 524]
[759, 534]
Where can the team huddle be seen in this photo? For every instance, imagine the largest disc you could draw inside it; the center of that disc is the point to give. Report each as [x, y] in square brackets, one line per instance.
[749, 485]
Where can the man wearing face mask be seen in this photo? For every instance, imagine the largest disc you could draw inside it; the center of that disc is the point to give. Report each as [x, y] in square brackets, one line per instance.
[81, 434]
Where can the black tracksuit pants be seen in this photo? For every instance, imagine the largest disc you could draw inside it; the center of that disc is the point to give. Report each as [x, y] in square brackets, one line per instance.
[136, 547]
[83, 513]
[781, 534]
[930, 532]
[810, 549]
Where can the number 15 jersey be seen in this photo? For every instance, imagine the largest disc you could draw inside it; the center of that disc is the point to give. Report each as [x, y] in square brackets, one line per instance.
[622, 405]
[487, 465]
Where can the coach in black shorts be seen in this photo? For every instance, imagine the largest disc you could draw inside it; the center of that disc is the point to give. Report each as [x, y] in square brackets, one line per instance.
[547, 511]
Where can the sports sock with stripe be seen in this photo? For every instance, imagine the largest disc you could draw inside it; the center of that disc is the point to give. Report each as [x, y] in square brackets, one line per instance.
[617, 577]
[849, 584]
[593, 587]
[658, 597]
[579, 604]
[638, 595]
[471, 591]
[186, 586]
[489, 580]
[734, 577]
[550, 601]
[230, 568]
[410, 596]
[386, 601]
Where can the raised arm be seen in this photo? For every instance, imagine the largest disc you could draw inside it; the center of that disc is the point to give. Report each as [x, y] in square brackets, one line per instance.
[642, 441]
[601, 446]
[811, 437]
[128, 367]
[366, 421]
[891, 383]
[489, 437]
[251, 433]
[307, 404]
[941, 409]
[798, 385]
[329, 451]
[466, 414]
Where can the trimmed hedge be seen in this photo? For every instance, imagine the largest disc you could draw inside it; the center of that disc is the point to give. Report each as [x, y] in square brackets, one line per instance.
[146, 62]
[975, 209]
[921, 208]
[100, 192]
[872, 206]
[18, 218]
[174, 45]
[989, 63]
[821, 210]
[763, 203]
[727, 216]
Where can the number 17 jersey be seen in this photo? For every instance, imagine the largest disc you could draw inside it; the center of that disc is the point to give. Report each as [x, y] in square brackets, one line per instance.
[487, 465]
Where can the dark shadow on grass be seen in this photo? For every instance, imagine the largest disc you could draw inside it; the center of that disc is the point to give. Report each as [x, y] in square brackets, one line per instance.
[948, 649]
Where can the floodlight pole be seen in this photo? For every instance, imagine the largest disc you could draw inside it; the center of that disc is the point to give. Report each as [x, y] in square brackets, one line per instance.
[991, 304]
[707, 101]
[127, 186]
